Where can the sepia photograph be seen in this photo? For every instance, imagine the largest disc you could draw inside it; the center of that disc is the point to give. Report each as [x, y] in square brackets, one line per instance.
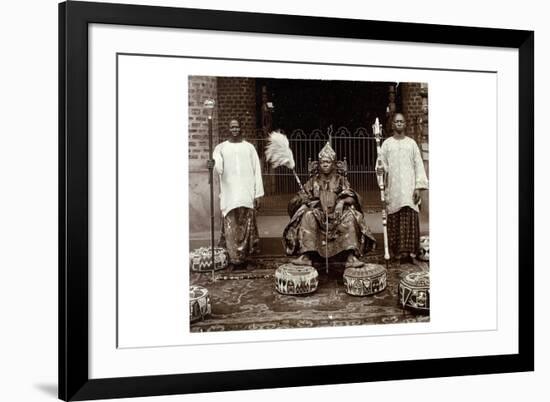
[308, 203]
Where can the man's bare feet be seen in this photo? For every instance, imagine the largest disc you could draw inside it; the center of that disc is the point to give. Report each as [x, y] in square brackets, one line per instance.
[302, 260]
[235, 266]
[353, 261]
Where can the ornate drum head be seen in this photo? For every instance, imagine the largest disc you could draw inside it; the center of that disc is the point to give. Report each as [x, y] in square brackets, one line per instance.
[199, 303]
[366, 280]
[424, 250]
[414, 291]
[293, 279]
[200, 259]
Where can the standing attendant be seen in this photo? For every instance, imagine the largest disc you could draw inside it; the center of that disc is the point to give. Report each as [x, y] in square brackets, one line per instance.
[405, 179]
[238, 166]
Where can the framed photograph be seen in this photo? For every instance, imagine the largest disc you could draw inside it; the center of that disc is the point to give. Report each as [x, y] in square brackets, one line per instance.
[258, 201]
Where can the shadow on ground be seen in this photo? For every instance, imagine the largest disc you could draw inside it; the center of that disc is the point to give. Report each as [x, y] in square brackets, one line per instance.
[48, 389]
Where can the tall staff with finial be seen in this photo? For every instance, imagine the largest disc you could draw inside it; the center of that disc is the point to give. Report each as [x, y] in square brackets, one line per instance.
[209, 105]
[326, 208]
[377, 130]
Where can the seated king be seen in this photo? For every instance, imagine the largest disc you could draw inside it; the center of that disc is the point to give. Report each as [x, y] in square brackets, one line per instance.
[327, 218]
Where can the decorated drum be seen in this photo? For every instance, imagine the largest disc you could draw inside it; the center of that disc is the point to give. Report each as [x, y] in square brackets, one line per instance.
[365, 280]
[293, 279]
[424, 249]
[199, 303]
[414, 290]
[200, 259]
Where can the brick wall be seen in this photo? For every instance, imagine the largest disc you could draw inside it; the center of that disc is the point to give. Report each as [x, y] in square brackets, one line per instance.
[237, 99]
[411, 95]
[200, 89]
[412, 105]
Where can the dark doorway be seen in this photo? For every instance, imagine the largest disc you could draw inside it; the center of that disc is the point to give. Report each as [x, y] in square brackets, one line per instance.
[317, 104]
[304, 110]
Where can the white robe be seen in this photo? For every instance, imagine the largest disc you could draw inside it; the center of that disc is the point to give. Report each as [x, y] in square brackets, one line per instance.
[238, 165]
[405, 172]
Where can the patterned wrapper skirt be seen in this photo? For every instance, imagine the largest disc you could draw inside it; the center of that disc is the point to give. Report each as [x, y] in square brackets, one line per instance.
[403, 232]
[240, 234]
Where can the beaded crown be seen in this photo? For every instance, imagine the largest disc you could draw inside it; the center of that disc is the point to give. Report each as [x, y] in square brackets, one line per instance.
[327, 153]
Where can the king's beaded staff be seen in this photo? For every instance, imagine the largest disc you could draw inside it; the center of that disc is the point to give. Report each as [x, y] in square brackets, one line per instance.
[380, 173]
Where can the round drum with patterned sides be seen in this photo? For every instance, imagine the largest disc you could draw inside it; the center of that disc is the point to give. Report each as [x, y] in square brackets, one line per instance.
[366, 280]
[424, 249]
[200, 259]
[414, 291]
[293, 279]
[199, 303]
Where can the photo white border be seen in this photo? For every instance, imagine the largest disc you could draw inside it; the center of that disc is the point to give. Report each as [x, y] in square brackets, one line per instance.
[108, 361]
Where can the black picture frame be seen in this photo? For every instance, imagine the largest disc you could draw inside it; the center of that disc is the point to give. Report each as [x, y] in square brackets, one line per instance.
[74, 381]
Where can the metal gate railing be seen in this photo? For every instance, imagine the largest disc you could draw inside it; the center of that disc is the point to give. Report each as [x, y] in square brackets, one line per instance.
[358, 148]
